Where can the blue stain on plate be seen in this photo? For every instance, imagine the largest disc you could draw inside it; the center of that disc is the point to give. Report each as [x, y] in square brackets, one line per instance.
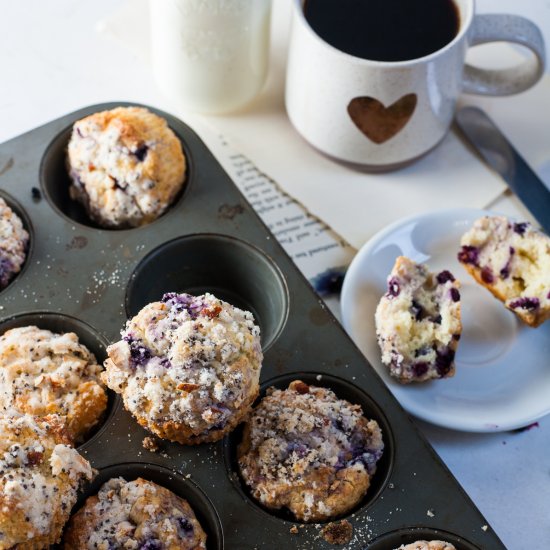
[329, 282]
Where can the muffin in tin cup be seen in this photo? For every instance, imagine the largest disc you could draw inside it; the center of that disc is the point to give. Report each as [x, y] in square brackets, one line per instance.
[126, 165]
[134, 514]
[40, 474]
[308, 451]
[187, 367]
[42, 372]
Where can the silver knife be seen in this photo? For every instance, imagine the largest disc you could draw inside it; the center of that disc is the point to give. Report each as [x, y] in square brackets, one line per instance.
[500, 154]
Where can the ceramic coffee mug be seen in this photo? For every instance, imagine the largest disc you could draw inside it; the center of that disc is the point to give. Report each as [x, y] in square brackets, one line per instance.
[382, 115]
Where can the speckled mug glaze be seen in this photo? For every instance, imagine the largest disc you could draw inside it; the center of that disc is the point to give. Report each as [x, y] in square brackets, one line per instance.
[382, 115]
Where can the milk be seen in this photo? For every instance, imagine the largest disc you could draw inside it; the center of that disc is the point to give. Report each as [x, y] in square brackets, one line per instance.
[210, 56]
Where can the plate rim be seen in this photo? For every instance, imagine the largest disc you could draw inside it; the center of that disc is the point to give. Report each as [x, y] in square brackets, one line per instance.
[346, 294]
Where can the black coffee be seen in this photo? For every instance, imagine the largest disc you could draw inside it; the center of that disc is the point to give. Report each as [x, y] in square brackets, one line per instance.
[384, 30]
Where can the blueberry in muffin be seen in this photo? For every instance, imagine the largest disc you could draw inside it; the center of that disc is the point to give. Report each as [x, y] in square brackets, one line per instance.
[511, 260]
[418, 322]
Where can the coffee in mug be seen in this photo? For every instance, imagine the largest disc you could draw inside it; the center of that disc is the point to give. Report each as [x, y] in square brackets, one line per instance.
[384, 30]
[375, 82]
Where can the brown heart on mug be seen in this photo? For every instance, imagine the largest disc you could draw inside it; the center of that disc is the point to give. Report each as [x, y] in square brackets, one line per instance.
[381, 123]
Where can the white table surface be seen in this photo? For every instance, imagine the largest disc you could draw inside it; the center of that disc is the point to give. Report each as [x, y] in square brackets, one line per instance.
[52, 61]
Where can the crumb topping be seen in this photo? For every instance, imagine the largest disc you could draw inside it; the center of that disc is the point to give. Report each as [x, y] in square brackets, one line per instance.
[42, 372]
[304, 439]
[187, 359]
[66, 460]
[13, 244]
[137, 515]
[39, 477]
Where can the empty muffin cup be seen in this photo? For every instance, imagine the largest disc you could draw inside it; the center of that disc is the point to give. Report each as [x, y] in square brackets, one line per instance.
[229, 268]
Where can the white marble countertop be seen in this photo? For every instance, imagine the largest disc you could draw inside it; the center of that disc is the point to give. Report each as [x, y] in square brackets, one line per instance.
[52, 61]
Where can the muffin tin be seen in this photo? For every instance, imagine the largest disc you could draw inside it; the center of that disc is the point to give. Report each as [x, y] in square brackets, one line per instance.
[89, 280]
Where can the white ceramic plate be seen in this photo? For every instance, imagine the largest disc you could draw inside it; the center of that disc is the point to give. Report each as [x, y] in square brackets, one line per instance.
[502, 378]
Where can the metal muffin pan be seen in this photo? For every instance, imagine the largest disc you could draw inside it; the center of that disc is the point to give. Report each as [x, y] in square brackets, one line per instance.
[88, 279]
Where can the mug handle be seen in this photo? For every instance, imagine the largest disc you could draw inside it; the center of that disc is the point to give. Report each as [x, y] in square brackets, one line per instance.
[510, 28]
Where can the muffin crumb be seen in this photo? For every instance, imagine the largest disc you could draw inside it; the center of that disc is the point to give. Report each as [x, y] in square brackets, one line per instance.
[338, 532]
[151, 444]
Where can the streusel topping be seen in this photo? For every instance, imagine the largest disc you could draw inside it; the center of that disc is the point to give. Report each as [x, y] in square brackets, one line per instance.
[187, 359]
[305, 439]
[42, 372]
[39, 477]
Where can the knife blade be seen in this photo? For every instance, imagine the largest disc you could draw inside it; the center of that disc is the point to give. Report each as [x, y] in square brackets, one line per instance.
[483, 134]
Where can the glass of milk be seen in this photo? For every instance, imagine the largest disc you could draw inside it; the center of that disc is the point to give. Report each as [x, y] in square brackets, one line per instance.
[210, 56]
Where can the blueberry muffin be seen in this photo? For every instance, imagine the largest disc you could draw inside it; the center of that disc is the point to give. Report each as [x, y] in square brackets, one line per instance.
[138, 515]
[46, 373]
[511, 260]
[308, 451]
[418, 322]
[427, 545]
[187, 367]
[126, 166]
[14, 241]
[40, 474]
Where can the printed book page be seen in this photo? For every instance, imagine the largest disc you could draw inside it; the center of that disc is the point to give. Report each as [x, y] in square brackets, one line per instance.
[320, 253]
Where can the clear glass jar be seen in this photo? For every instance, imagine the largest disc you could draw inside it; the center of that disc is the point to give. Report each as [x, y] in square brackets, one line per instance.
[210, 56]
